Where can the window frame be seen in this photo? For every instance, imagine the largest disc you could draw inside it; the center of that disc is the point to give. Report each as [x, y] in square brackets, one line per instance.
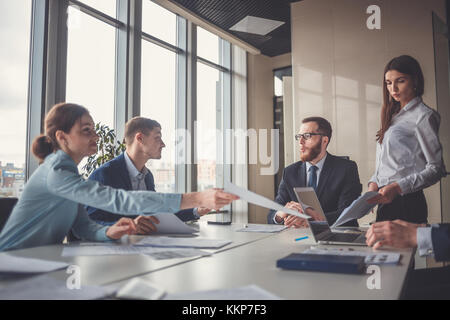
[47, 81]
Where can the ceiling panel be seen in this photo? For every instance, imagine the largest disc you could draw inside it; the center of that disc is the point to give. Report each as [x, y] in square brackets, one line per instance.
[226, 13]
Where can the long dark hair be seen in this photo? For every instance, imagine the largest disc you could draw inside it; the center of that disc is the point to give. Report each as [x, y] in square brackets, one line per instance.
[403, 64]
[62, 117]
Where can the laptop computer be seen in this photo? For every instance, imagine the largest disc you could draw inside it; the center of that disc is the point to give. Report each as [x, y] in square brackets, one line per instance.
[321, 229]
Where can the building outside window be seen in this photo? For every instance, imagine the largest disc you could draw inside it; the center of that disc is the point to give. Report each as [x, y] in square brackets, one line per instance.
[15, 25]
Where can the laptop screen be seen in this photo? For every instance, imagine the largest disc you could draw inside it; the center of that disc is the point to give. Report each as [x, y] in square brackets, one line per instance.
[307, 197]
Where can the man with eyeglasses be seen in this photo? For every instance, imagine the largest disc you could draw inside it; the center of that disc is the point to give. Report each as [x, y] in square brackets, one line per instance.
[335, 179]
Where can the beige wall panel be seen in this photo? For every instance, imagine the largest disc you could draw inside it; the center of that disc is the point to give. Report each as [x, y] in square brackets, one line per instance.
[260, 116]
[338, 69]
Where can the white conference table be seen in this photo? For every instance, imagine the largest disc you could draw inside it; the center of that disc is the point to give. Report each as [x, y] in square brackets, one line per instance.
[255, 263]
[102, 270]
[249, 259]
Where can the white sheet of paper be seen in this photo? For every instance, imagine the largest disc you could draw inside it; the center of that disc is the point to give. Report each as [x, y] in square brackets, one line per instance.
[97, 250]
[358, 209]
[154, 252]
[264, 228]
[251, 292]
[171, 224]
[140, 289]
[47, 288]
[370, 257]
[259, 200]
[176, 253]
[11, 264]
[198, 243]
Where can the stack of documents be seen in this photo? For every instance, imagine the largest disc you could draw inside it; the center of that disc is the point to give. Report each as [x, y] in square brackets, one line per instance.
[197, 243]
[157, 247]
[155, 253]
[17, 265]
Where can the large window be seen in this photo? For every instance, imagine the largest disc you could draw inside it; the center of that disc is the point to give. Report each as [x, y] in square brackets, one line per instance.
[212, 104]
[158, 103]
[207, 45]
[91, 65]
[117, 71]
[105, 6]
[208, 128]
[91, 62]
[158, 86]
[159, 22]
[15, 19]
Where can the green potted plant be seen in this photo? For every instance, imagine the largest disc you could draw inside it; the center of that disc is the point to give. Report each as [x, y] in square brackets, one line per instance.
[108, 147]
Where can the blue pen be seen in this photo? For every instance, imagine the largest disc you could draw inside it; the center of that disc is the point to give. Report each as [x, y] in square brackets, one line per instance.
[302, 238]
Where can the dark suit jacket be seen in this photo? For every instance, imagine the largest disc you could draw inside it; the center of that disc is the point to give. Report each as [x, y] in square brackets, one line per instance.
[338, 186]
[440, 237]
[115, 174]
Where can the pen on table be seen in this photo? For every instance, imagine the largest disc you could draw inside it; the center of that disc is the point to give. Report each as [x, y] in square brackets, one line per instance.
[302, 238]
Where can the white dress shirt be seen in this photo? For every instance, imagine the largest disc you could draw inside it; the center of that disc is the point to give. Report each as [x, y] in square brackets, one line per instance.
[137, 177]
[424, 241]
[411, 153]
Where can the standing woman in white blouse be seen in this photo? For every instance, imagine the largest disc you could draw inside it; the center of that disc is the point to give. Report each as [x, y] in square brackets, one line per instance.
[409, 153]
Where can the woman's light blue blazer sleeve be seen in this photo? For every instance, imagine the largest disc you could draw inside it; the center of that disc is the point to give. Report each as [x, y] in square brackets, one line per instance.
[87, 229]
[63, 180]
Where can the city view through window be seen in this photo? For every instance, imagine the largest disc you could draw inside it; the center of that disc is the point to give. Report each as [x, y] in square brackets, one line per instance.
[91, 57]
[15, 20]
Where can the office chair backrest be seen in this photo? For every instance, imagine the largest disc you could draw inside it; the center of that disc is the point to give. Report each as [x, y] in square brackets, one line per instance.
[6, 207]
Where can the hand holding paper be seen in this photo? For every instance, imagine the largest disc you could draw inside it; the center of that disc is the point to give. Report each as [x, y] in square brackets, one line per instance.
[358, 209]
[259, 200]
[211, 198]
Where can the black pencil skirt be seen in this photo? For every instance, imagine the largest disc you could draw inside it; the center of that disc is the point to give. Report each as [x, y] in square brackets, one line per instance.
[410, 207]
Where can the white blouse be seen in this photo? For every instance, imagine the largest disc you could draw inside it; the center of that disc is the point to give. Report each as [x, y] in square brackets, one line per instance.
[411, 153]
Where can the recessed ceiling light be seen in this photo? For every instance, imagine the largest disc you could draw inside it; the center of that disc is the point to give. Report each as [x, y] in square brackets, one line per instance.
[256, 25]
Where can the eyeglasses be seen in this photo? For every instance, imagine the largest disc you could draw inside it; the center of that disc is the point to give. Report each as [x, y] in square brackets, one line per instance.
[307, 135]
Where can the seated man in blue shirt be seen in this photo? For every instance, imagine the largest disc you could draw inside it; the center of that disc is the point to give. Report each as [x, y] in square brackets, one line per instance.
[128, 171]
[433, 283]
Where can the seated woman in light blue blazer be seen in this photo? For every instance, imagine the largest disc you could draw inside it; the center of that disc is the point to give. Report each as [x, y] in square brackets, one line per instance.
[53, 200]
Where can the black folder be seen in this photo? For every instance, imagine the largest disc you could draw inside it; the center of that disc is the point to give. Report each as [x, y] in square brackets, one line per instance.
[322, 263]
